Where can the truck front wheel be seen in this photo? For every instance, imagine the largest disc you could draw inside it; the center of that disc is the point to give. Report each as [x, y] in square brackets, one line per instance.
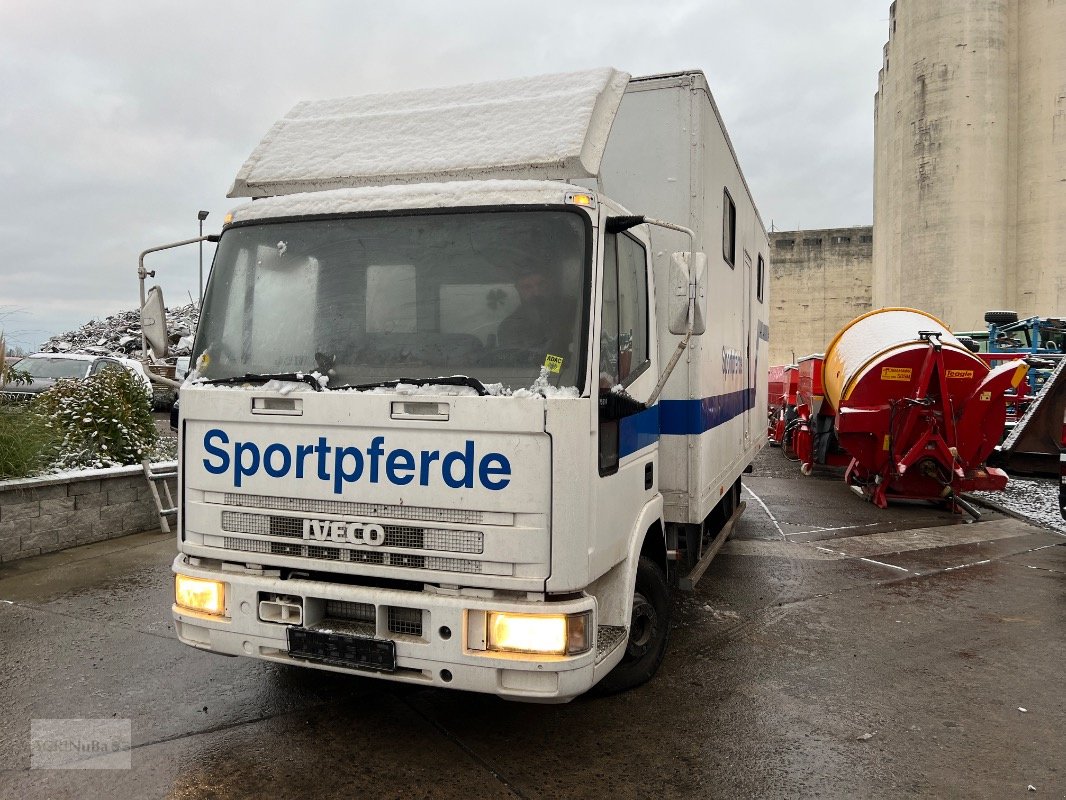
[649, 629]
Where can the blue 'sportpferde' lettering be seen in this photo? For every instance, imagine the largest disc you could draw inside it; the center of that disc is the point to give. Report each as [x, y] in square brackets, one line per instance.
[458, 469]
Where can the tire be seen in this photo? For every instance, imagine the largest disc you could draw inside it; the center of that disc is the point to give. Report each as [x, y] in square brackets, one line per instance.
[1001, 317]
[649, 631]
[970, 344]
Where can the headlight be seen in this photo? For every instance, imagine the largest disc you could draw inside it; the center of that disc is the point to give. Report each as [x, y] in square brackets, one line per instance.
[550, 634]
[198, 594]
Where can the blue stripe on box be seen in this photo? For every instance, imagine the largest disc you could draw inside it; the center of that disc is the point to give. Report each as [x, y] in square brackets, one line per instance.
[680, 418]
[687, 417]
[638, 431]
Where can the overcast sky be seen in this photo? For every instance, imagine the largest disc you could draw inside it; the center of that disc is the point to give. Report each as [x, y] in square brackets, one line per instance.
[120, 120]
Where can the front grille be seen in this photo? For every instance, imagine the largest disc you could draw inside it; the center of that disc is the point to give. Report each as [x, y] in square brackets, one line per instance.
[452, 541]
[450, 564]
[405, 621]
[248, 545]
[346, 508]
[398, 536]
[280, 548]
[356, 612]
[355, 556]
[283, 526]
[236, 522]
[359, 619]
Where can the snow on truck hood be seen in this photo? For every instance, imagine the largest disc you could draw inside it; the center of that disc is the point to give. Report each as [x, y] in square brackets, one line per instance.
[541, 388]
[551, 127]
[456, 194]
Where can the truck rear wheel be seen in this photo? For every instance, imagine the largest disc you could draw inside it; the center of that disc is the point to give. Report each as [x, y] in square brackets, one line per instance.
[649, 630]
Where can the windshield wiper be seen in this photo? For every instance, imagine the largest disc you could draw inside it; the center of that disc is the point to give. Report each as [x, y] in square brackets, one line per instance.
[263, 377]
[442, 380]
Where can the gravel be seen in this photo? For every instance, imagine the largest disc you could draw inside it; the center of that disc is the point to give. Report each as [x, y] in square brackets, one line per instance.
[1035, 499]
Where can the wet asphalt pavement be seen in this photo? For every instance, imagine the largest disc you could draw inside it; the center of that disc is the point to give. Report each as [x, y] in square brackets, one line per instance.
[831, 650]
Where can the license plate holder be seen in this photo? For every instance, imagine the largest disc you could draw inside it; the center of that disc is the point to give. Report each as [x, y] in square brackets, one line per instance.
[342, 650]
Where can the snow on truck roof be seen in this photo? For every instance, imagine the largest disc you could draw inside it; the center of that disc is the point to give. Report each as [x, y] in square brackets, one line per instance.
[551, 127]
[456, 194]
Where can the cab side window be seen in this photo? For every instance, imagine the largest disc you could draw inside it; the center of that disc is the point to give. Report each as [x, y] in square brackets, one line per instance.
[624, 331]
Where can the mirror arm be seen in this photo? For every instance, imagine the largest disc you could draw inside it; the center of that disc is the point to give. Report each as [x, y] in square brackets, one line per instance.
[142, 273]
[671, 226]
[680, 348]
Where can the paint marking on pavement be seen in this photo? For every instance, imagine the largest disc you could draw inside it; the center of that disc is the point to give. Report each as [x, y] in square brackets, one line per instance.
[964, 566]
[817, 529]
[1046, 569]
[883, 564]
[773, 519]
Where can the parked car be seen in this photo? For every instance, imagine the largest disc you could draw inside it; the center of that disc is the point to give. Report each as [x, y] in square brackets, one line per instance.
[45, 369]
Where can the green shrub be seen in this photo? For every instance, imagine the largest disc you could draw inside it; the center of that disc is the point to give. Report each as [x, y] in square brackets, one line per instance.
[26, 442]
[102, 421]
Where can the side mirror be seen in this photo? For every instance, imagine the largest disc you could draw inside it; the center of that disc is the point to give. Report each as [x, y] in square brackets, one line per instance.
[154, 322]
[688, 273]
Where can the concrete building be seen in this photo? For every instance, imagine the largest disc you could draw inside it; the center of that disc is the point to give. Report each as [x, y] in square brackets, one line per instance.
[819, 280]
[970, 159]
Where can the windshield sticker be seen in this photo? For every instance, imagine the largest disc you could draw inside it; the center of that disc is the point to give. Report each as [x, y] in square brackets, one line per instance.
[553, 363]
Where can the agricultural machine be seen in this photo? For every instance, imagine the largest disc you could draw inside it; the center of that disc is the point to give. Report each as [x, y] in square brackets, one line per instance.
[810, 436]
[783, 382]
[906, 407]
[1041, 341]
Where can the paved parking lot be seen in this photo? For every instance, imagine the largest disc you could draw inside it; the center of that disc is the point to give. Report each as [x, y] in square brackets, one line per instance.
[832, 650]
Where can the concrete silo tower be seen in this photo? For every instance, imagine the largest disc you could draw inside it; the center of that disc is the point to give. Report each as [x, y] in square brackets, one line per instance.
[970, 159]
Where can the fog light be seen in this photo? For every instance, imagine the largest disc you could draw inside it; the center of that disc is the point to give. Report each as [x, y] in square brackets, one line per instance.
[198, 594]
[549, 634]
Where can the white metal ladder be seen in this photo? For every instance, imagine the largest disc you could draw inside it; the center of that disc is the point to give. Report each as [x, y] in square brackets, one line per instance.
[154, 476]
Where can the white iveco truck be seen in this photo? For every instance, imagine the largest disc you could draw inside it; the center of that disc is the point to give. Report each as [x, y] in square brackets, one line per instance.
[477, 375]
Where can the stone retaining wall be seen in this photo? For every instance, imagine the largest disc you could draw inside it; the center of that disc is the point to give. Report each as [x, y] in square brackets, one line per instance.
[42, 515]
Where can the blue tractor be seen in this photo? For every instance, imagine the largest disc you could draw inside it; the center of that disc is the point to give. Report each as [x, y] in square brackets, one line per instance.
[1041, 340]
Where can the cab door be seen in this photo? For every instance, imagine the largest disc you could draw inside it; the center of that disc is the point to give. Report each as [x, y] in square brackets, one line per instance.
[627, 433]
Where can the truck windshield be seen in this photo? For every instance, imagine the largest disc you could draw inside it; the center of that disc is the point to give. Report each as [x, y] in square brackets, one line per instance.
[494, 295]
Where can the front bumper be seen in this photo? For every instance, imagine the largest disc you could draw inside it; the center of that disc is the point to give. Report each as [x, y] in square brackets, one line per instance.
[439, 649]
